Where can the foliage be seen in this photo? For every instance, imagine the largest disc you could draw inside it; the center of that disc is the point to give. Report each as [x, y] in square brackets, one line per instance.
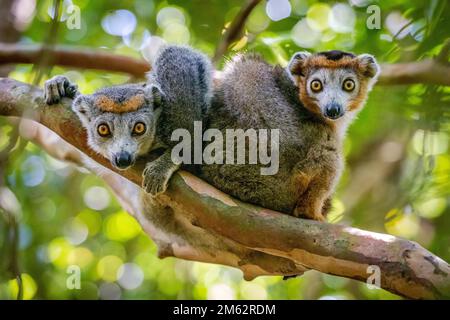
[396, 181]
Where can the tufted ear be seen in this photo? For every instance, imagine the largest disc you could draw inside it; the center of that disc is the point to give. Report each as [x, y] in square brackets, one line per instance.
[154, 94]
[296, 66]
[83, 107]
[368, 65]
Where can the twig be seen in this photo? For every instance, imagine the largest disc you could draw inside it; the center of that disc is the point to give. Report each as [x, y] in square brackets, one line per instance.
[45, 54]
[235, 29]
[443, 54]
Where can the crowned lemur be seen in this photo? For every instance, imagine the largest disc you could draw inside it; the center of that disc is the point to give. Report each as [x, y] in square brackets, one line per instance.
[311, 102]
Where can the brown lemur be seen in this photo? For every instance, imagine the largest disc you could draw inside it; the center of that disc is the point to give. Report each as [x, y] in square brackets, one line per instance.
[311, 102]
[130, 121]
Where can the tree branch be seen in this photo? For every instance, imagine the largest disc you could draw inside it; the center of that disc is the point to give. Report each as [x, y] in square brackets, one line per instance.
[195, 221]
[429, 71]
[68, 57]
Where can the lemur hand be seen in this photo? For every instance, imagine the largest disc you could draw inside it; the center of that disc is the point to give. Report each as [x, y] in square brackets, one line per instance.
[57, 88]
[157, 174]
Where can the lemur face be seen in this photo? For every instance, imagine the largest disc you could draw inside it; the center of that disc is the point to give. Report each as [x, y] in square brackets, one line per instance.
[333, 84]
[120, 121]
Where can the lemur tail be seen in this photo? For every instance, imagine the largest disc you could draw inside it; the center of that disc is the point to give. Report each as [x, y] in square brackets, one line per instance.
[185, 77]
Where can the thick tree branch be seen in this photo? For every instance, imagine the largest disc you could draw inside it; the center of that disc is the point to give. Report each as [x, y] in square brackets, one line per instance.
[193, 220]
[429, 71]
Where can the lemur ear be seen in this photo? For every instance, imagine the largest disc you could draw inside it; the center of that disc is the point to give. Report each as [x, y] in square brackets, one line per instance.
[155, 94]
[296, 66]
[82, 106]
[368, 65]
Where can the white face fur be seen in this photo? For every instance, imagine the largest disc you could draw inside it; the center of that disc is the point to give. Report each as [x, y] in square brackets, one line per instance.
[333, 84]
[119, 137]
[333, 90]
[123, 145]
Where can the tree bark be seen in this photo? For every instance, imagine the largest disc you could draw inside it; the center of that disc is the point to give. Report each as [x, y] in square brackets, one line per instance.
[195, 221]
[68, 57]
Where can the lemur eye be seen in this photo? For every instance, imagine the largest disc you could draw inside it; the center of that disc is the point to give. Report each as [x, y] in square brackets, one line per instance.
[316, 85]
[103, 130]
[348, 85]
[139, 128]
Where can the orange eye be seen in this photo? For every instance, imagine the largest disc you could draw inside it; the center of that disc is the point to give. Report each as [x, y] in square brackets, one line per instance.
[349, 85]
[316, 85]
[103, 130]
[139, 128]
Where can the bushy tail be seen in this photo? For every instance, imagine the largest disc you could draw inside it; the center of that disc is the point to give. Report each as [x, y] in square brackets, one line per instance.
[184, 76]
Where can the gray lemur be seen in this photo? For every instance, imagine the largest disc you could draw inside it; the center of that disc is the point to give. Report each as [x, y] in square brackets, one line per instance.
[311, 102]
[126, 122]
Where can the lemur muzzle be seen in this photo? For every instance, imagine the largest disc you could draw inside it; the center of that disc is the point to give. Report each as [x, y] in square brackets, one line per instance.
[123, 160]
[334, 111]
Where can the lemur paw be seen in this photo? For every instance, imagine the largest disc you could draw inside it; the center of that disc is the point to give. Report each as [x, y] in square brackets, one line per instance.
[307, 213]
[156, 179]
[57, 88]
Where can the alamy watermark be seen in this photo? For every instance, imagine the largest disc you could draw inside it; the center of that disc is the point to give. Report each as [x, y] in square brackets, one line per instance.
[73, 17]
[374, 20]
[251, 146]
[71, 14]
[73, 281]
[374, 280]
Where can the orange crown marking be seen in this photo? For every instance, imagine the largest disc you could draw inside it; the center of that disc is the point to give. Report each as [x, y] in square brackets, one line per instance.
[107, 104]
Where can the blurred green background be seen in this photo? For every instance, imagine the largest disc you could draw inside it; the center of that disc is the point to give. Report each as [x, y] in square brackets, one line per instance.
[398, 161]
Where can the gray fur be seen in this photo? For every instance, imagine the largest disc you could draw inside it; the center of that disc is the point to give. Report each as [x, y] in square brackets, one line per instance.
[184, 76]
[254, 94]
[251, 95]
[180, 71]
[121, 124]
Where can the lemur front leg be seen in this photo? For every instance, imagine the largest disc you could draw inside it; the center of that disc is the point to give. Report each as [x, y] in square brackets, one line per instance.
[311, 202]
[316, 184]
[57, 88]
[158, 172]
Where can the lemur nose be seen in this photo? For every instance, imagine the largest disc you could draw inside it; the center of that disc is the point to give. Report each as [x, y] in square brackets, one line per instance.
[122, 160]
[334, 111]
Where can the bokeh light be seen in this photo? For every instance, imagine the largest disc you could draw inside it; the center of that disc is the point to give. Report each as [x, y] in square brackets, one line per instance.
[29, 287]
[402, 223]
[33, 171]
[121, 227]
[97, 198]
[398, 25]
[119, 23]
[110, 291]
[221, 291]
[278, 9]
[108, 267]
[342, 18]
[172, 21]
[130, 276]
[304, 36]
[317, 16]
